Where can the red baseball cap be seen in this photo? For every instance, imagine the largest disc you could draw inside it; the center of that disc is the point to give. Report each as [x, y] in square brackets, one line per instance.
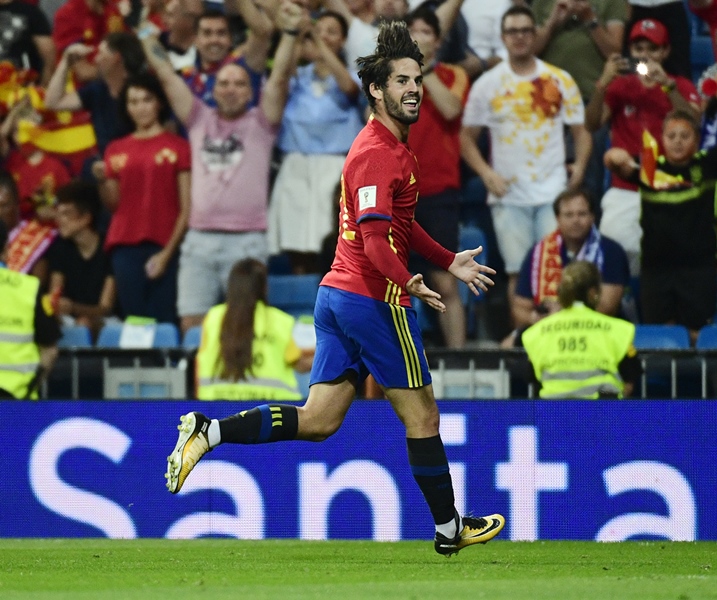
[652, 30]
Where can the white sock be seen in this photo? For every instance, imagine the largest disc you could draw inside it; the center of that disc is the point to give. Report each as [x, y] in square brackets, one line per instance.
[214, 434]
[451, 528]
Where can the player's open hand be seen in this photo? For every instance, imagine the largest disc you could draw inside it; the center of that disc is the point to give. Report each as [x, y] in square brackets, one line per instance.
[416, 287]
[470, 272]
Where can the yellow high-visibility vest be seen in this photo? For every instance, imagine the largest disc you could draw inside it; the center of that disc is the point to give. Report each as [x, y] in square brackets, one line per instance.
[576, 352]
[19, 354]
[272, 376]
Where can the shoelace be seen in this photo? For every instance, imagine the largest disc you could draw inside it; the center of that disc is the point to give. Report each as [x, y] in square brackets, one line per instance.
[474, 523]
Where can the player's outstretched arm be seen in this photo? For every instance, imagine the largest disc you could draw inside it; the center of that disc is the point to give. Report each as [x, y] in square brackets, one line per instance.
[470, 272]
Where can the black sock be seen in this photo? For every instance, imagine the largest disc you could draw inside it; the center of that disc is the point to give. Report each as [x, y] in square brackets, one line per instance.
[260, 425]
[429, 465]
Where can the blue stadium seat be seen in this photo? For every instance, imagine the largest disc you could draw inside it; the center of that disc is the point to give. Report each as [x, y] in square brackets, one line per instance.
[471, 237]
[655, 337]
[75, 336]
[701, 55]
[166, 335]
[697, 26]
[294, 294]
[707, 338]
[192, 337]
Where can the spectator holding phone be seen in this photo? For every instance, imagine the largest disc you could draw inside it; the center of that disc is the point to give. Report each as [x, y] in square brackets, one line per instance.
[635, 94]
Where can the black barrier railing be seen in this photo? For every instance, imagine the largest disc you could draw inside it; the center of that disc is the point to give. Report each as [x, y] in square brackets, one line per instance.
[94, 373]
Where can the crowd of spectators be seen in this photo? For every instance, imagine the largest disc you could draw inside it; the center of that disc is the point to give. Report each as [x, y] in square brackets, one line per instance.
[147, 146]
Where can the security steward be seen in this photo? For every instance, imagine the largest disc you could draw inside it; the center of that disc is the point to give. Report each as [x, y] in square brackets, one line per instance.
[28, 331]
[249, 350]
[578, 352]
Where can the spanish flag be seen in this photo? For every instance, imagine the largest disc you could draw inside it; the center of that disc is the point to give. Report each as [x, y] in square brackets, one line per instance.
[68, 135]
[648, 160]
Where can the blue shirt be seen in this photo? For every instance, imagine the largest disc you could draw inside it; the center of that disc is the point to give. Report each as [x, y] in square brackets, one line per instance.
[615, 268]
[319, 118]
[202, 83]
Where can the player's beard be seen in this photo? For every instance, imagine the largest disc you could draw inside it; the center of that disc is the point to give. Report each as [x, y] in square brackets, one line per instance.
[396, 111]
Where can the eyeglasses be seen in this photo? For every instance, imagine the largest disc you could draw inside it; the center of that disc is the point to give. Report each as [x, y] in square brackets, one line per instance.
[519, 31]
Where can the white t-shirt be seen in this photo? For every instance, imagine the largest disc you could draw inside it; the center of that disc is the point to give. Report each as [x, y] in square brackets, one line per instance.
[360, 41]
[525, 116]
[483, 20]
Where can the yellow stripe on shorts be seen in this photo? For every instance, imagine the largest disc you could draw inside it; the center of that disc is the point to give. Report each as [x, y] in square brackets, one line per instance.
[410, 354]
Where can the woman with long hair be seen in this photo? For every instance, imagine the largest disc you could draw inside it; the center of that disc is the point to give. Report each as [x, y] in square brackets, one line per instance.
[147, 189]
[248, 350]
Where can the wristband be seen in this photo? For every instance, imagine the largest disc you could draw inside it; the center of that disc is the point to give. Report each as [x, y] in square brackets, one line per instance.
[669, 86]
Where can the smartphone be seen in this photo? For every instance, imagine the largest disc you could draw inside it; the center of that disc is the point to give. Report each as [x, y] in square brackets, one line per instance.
[633, 65]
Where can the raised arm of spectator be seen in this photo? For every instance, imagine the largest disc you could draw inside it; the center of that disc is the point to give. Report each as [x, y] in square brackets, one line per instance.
[583, 147]
[496, 184]
[558, 16]
[338, 69]
[597, 112]
[447, 14]
[657, 74]
[10, 123]
[276, 89]
[607, 37]
[260, 26]
[56, 95]
[46, 49]
[448, 103]
[341, 7]
[179, 95]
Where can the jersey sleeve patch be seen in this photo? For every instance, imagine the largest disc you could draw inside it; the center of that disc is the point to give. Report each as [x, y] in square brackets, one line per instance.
[367, 197]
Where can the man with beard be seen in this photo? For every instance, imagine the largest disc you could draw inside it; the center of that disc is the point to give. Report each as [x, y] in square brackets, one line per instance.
[363, 316]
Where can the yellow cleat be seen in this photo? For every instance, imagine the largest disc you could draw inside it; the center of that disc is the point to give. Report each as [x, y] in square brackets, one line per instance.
[476, 530]
[193, 443]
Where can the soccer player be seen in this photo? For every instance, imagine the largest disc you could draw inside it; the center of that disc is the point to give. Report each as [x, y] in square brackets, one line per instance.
[363, 317]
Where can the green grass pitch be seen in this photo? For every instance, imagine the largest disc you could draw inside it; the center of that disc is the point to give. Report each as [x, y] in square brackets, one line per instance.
[101, 569]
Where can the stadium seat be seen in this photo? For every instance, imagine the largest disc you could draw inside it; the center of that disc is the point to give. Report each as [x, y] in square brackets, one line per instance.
[166, 335]
[75, 336]
[655, 337]
[294, 294]
[192, 337]
[707, 338]
[701, 55]
[470, 237]
[698, 27]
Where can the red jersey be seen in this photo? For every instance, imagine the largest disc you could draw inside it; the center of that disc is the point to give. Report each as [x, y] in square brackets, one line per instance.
[147, 170]
[435, 139]
[75, 22]
[37, 183]
[636, 108]
[379, 181]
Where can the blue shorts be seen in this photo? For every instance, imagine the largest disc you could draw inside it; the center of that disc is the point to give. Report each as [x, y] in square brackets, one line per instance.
[364, 335]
